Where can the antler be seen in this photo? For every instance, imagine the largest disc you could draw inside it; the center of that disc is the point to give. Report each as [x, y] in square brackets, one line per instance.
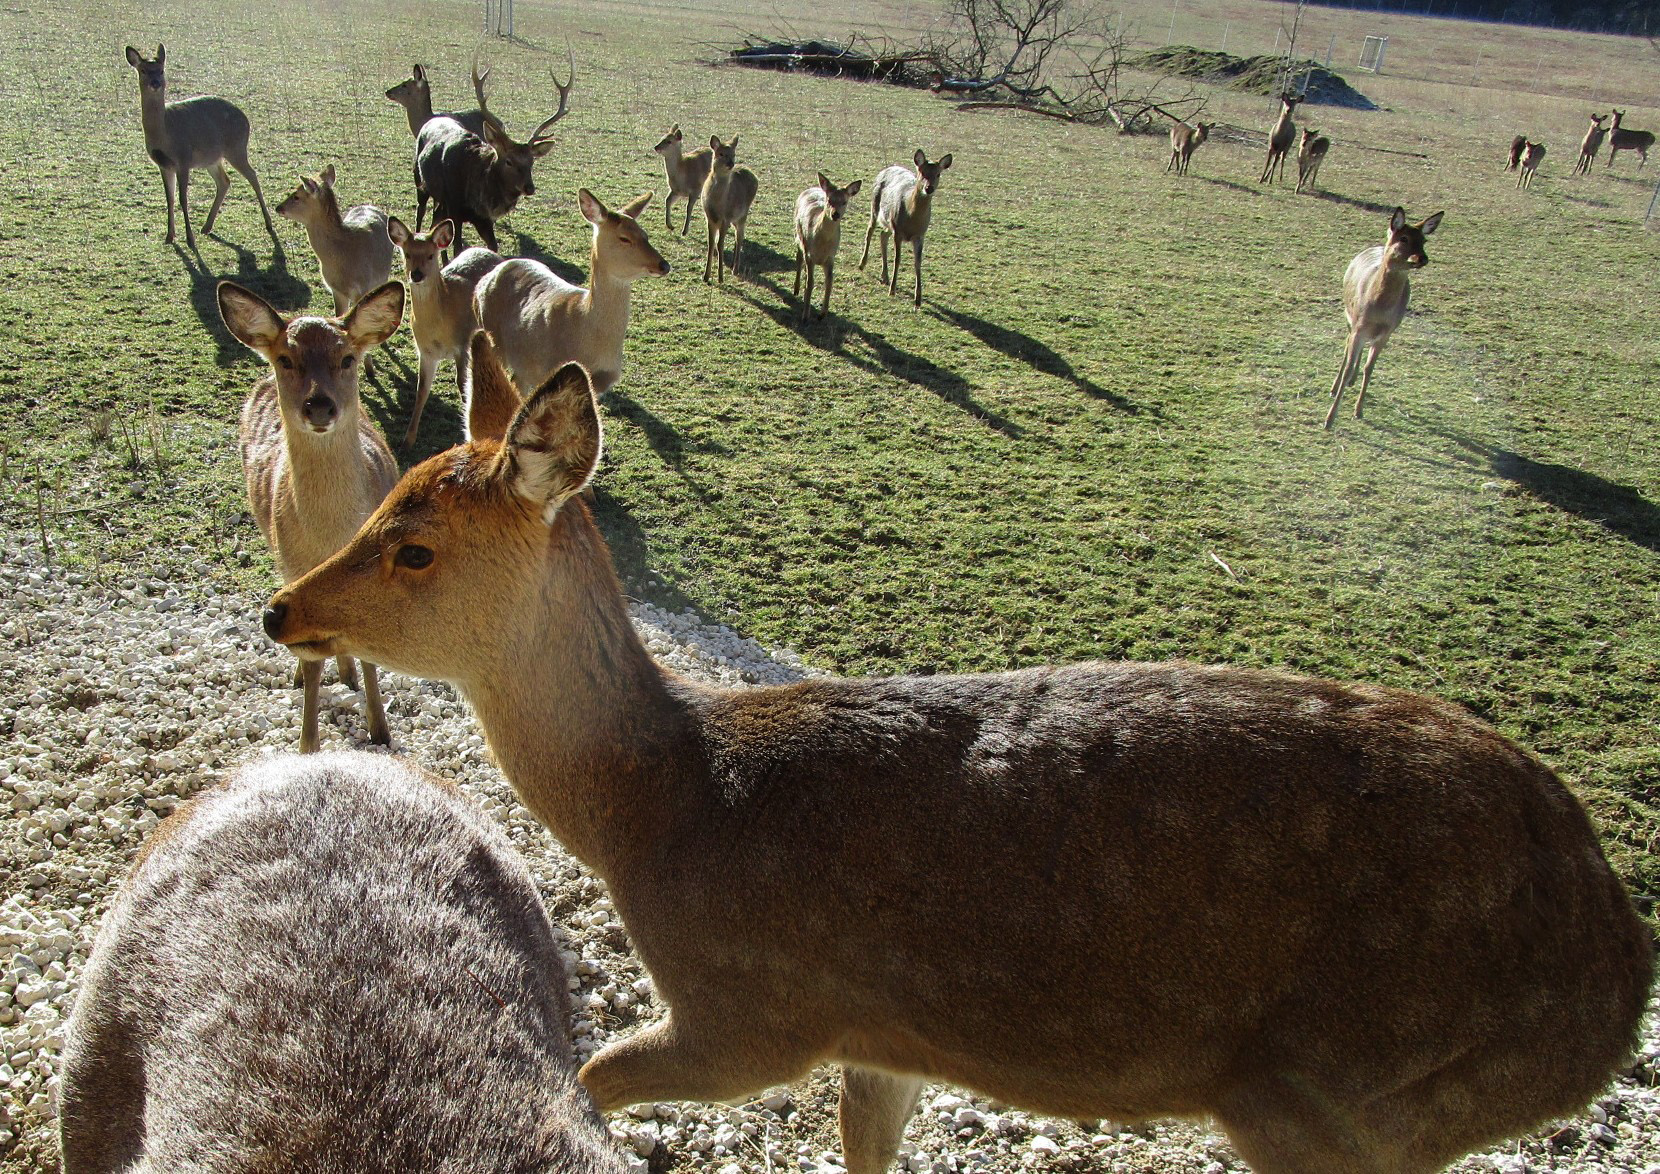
[478, 90]
[540, 133]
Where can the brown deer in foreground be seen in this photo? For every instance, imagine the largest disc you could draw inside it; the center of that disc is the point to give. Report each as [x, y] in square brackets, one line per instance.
[315, 464]
[196, 133]
[1311, 152]
[687, 173]
[1280, 138]
[278, 984]
[818, 234]
[728, 194]
[1532, 155]
[902, 207]
[1376, 288]
[441, 304]
[1356, 927]
[1621, 139]
[1590, 144]
[539, 321]
[1184, 140]
[1517, 146]
[353, 249]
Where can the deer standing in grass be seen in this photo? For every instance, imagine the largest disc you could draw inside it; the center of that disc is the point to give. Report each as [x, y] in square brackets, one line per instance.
[687, 174]
[279, 982]
[1354, 926]
[728, 193]
[1376, 288]
[1280, 138]
[353, 249]
[1590, 144]
[195, 133]
[1621, 139]
[1532, 155]
[539, 321]
[1184, 140]
[902, 206]
[1311, 152]
[315, 464]
[441, 304]
[818, 234]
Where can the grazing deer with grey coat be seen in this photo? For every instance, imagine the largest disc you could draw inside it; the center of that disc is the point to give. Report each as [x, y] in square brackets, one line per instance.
[1590, 144]
[1621, 139]
[902, 207]
[1184, 140]
[728, 194]
[1376, 289]
[441, 305]
[195, 133]
[353, 250]
[1532, 155]
[329, 963]
[1354, 926]
[1311, 152]
[687, 173]
[818, 234]
[1280, 138]
[315, 464]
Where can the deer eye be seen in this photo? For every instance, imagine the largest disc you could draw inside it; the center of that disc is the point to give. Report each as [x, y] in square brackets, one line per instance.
[347, 362]
[416, 558]
[286, 363]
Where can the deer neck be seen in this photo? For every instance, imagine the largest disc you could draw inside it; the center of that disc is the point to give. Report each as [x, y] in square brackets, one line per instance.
[598, 741]
[326, 225]
[419, 113]
[152, 115]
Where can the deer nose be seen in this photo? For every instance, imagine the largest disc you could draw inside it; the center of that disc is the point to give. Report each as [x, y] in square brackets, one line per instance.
[662, 268]
[272, 619]
[320, 412]
[530, 189]
[417, 274]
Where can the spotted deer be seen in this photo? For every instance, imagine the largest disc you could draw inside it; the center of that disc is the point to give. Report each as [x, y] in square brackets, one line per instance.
[1590, 144]
[902, 207]
[315, 464]
[818, 234]
[1185, 139]
[279, 982]
[1376, 288]
[353, 249]
[192, 134]
[1280, 138]
[1532, 155]
[1622, 139]
[1311, 152]
[687, 173]
[1354, 926]
[728, 194]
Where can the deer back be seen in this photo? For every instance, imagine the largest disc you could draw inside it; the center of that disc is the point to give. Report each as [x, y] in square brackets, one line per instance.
[532, 315]
[279, 981]
[468, 175]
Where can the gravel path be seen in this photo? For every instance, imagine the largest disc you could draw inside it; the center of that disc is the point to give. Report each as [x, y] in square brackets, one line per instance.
[124, 696]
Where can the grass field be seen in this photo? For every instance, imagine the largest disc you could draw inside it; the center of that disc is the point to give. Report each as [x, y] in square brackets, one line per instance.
[1099, 437]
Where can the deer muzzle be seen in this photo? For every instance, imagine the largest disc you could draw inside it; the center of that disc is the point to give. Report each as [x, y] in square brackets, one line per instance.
[320, 412]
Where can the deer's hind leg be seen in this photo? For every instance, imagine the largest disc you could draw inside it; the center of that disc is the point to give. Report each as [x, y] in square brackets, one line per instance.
[1372, 353]
[379, 733]
[1351, 356]
[674, 1060]
[221, 185]
[875, 1107]
[239, 160]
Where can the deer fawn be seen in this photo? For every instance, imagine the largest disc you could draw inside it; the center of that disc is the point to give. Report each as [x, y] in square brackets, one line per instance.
[1532, 155]
[1517, 146]
[279, 983]
[353, 249]
[1590, 144]
[441, 304]
[1355, 926]
[728, 193]
[539, 321]
[687, 174]
[1280, 138]
[818, 234]
[1311, 152]
[901, 207]
[1184, 140]
[194, 134]
[1376, 288]
[1621, 139]
[316, 466]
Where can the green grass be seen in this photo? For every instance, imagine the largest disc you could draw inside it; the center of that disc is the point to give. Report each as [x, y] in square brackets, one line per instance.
[1098, 438]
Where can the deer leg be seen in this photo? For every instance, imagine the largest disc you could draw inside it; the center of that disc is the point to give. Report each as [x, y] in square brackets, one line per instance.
[487, 230]
[738, 246]
[874, 1109]
[311, 677]
[423, 388]
[807, 302]
[709, 251]
[168, 188]
[869, 232]
[916, 262]
[670, 1061]
[668, 224]
[720, 255]
[379, 734]
[421, 198]
[800, 261]
[346, 668]
[1350, 355]
[221, 185]
[247, 171]
[183, 177]
[1366, 377]
[829, 276]
[691, 202]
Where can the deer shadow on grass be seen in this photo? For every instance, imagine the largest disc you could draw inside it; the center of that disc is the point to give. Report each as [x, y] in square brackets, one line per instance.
[665, 439]
[277, 285]
[1249, 189]
[1037, 355]
[1353, 202]
[532, 249]
[759, 260]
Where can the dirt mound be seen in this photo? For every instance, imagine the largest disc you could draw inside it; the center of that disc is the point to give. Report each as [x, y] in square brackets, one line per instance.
[1255, 75]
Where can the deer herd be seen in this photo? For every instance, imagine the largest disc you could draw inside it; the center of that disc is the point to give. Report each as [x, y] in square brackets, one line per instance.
[1354, 927]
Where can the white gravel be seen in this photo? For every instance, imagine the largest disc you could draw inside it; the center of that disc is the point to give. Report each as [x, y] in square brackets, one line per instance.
[126, 695]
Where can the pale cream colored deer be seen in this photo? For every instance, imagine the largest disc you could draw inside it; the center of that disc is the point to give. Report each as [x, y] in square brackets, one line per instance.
[1184, 140]
[1280, 138]
[818, 234]
[1355, 927]
[902, 207]
[728, 194]
[687, 173]
[353, 249]
[1532, 155]
[1376, 288]
[315, 465]
[539, 321]
[1590, 144]
[441, 304]
[1311, 152]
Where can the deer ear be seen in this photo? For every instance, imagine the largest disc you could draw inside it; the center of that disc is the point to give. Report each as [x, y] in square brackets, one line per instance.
[418, 73]
[919, 158]
[634, 207]
[714, 142]
[309, 184]
[375, 317]
[397, 230]
[250, 318]
[328, 176]
[443, 233]
[945, 161]
[824, 183]
[552, 446]
[853, 188]
[1397, 219]
[134, 57]
[592, 210]
[1431, 224]
[674, 131]
[161, 54]
[491, 398]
